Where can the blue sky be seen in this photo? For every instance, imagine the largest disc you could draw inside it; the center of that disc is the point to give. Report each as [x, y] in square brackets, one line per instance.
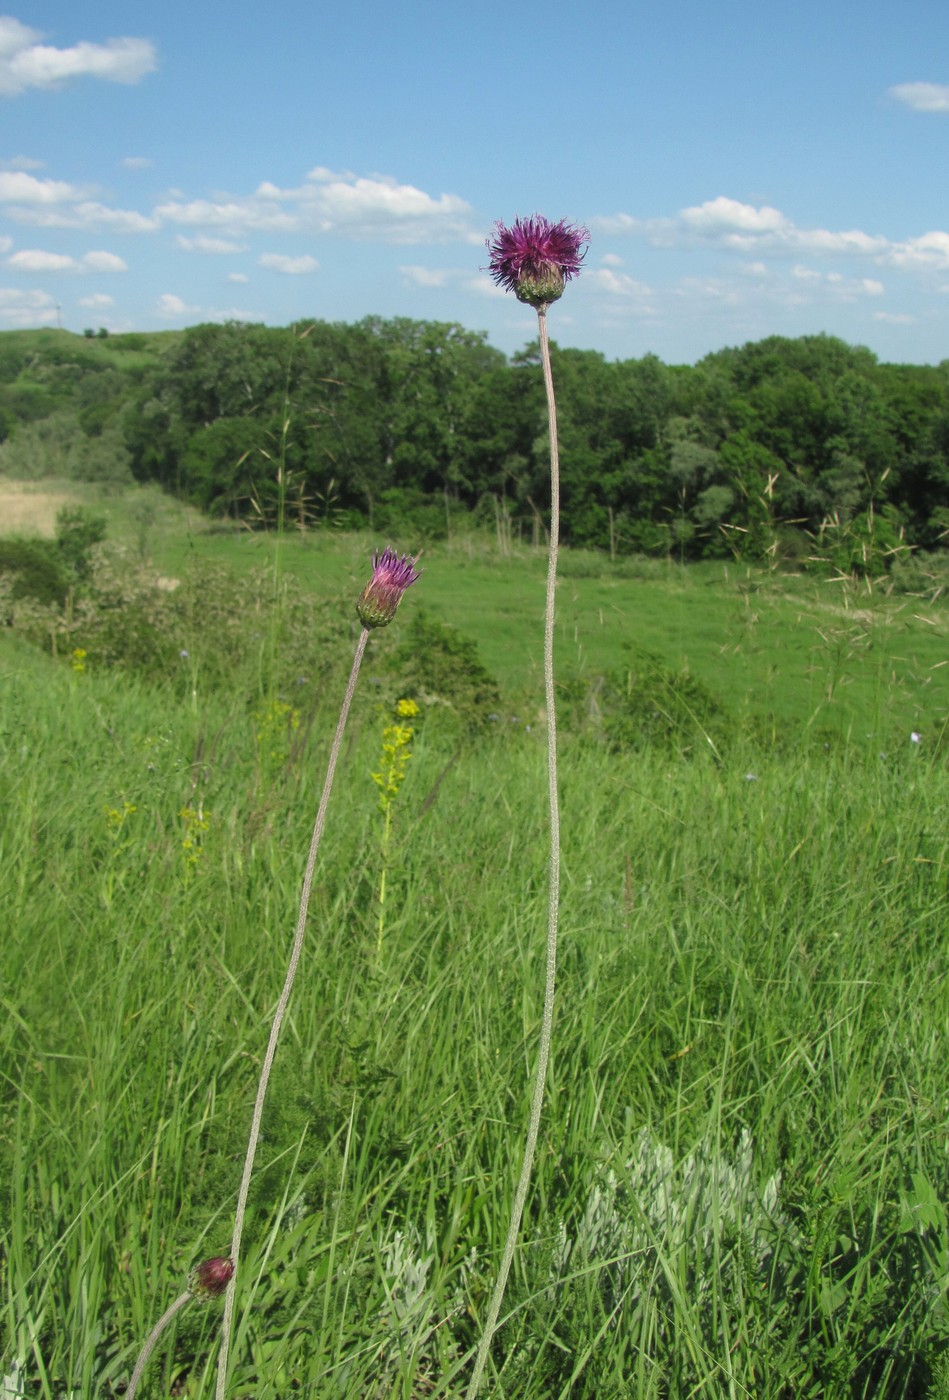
[743, 169]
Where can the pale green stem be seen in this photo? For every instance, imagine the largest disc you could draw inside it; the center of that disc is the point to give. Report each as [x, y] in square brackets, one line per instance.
[553, 902]
[228, 1319]
[151, 1341]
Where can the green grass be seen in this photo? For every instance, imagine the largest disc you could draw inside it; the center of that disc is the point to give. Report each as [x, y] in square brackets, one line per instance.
[742, 1176]
[791, 654]
[831, 659]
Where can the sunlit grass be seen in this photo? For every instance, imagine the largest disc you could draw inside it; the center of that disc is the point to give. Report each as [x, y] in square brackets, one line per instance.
[753, 960]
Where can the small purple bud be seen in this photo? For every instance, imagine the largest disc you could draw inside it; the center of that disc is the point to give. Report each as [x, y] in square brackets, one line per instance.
[391, 576]
[534, 258]
[209, 1280]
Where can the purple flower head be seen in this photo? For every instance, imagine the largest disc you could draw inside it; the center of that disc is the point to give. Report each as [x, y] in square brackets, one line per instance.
[391, 576]
[209, 1280]
[535, 258]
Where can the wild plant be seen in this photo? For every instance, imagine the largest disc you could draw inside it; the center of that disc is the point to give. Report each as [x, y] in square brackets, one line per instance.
[393, 765]
[376, 607]
[535, 259]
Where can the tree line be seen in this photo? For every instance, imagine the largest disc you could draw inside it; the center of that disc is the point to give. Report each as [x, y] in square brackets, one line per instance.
[407, 424]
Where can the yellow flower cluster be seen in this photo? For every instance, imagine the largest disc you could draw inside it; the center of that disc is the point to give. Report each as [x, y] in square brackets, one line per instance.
[116, 817]
[396, 753]
[79, 660]
[197, 823]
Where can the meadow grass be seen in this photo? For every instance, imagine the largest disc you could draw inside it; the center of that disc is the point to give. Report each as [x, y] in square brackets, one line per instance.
[783, 651]
[834, 658]
[742, 1173]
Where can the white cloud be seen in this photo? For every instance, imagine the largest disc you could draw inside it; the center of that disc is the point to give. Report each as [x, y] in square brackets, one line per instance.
[373, 208]
[724, 215]
[922, 97]
[417, 276]
[745, 228]
[294, 267]
[171, 305]
[237, 277]
[27, 308]
[22, 163]
[930, 250]
[754, 231]
[201, 243]
[617, 284]
[377, 209]
[44, 203]
[235, 215]
[799, 287]
[894, 318]
[484, 286]
[104, 262]
[611, 260]
[5, 244]
[97, 302]
[36, 260]
[86, 214]
[617, 223]
[137, 162]
[16, 186]
[719, 290]
[26, 63]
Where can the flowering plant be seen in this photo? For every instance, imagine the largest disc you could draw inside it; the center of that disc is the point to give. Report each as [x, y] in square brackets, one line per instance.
[534, 258]
[391, 576]
[376, 607]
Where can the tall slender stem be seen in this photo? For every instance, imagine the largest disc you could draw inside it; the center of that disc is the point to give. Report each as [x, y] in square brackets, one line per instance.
[553, 902]
[228, 1319]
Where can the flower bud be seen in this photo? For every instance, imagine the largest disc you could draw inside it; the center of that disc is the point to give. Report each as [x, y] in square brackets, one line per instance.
[210, 1279]
[391, 576]
[535, 259]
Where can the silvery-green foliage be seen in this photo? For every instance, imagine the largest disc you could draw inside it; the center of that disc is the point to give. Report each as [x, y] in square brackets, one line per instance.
[416, 1307]
[698, 1219]
[408, 1266]
[12, 1384]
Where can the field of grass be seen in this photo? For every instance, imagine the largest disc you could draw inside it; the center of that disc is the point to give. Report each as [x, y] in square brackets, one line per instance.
[743, 1174]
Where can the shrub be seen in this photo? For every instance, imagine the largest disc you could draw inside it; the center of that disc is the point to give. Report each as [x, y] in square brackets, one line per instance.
[437, 664]
[37, 571]
[77, 530]
[648, 703]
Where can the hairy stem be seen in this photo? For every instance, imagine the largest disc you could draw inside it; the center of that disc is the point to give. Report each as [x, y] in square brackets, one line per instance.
[553, 902]
[228, 1319]
[151, 1341]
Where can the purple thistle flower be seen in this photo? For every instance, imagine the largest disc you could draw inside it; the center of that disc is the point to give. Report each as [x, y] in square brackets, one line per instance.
[391, 576]
[535, 258]
[209, 1280]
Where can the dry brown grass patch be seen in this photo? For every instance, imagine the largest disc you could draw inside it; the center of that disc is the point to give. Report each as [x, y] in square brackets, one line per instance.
[28, 508]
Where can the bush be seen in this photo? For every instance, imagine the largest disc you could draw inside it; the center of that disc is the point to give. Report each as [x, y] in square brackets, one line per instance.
[437, 664]
[649, 703]
[212, 629]
[37, 571]
[77, 531]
